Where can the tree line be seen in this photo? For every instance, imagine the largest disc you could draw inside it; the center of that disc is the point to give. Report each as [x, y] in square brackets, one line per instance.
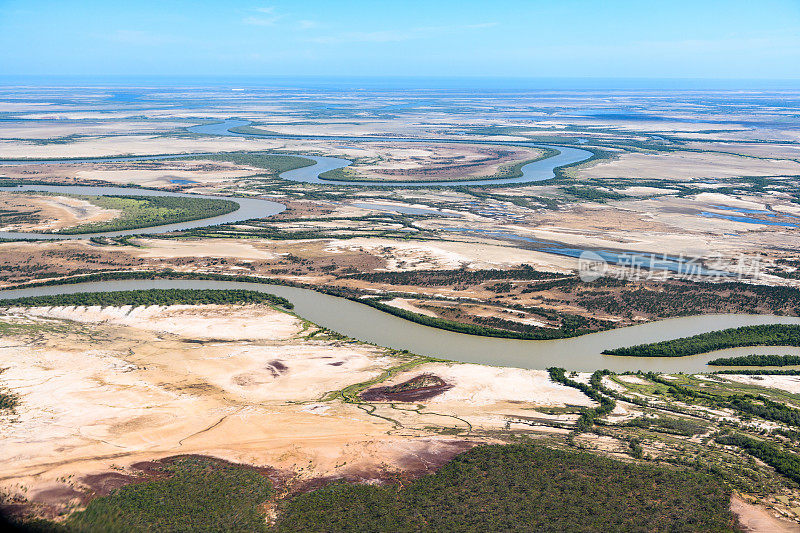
[757, 360]
[150, 297]
[590, 416]
[784, 462]
[763, 335]
[147, 211]
[459, 276]
[748, 404]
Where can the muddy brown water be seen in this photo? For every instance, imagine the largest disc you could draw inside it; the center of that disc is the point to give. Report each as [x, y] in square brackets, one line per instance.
[368, 324]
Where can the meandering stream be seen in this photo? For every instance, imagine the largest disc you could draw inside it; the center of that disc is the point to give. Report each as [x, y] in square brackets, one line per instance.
[540, 170]
[249, 208]
[368, 324]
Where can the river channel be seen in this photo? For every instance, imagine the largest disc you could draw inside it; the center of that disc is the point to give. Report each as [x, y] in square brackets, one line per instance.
[366, 323]
[370, 325]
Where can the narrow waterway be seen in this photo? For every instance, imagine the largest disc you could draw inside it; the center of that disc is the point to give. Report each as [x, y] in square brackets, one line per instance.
[249, 208]
[365, 323]
[540, 170]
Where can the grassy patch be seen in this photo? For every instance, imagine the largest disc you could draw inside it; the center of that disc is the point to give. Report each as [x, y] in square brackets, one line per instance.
[675, 426]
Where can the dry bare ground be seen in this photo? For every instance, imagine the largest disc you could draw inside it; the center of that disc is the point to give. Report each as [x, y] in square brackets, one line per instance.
[102, 389]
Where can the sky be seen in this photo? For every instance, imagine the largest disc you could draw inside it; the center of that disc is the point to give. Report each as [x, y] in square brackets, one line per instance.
[730, 39]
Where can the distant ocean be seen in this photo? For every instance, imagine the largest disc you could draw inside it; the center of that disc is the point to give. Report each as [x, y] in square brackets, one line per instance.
[401, 82]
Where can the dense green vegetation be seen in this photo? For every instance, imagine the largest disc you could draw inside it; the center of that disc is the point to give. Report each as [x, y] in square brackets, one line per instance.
[518, 487]
[150, 297]
[760, 372]
[521, 488]
[198, 495]
[757, 360]
[146, 211]
[593, 194]
[276, 163]
[454, 277]
[784, 462]
[765, 335]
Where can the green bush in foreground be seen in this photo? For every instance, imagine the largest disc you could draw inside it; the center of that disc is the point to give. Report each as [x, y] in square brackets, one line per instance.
[201, 495]
[760, 372]
[522, 488]
[150, 297]
[518, 487]
[766, 335]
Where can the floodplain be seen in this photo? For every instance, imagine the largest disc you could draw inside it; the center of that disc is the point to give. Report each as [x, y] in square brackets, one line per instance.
[414, 206]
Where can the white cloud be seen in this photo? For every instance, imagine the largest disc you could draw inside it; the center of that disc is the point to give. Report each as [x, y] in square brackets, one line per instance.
[267, 17]
[388, 36]
[260, 21]
[307, 24]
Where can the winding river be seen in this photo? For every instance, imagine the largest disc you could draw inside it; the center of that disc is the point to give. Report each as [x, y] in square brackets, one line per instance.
[249, 208]
[368, 324]
[535, 171]
[540, 170]
[252, 208]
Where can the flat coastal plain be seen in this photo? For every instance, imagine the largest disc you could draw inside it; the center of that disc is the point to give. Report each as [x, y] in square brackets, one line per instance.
[96, 398]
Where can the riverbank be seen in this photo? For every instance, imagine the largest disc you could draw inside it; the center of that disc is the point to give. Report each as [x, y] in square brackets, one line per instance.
[370, 325]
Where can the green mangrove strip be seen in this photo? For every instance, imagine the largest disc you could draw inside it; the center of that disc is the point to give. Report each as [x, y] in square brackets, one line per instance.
[764, 335]
[757, 360]
[151, 297]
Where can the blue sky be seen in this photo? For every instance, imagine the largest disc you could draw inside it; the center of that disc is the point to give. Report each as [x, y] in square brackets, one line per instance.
[503, 38]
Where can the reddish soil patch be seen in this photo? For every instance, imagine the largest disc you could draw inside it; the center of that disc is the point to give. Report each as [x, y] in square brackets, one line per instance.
[50, 503]
[277, 368]
[59, 501]
[422, 387]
